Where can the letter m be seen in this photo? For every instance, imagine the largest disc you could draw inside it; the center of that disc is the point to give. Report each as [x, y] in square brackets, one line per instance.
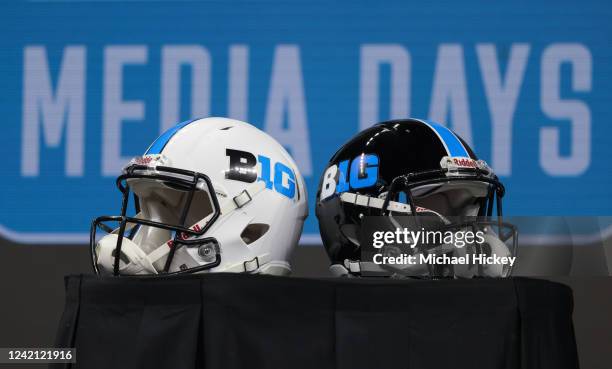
[53, 110]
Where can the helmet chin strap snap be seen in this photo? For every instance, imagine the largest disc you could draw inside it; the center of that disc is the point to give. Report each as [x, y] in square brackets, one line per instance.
[248, 266]
[243, 198]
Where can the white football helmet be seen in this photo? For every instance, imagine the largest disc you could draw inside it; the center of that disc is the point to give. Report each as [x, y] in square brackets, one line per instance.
[213, 194]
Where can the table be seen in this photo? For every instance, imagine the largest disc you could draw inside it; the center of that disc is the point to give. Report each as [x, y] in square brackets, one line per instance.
[253, 321]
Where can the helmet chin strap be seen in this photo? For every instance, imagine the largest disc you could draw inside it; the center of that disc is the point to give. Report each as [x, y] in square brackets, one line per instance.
[133, 259]
[138, 262]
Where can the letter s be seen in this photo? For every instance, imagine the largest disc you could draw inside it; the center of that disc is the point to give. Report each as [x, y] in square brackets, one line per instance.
[577, 112]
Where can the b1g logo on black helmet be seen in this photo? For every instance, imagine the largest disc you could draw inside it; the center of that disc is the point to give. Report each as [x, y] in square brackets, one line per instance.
[358, 173]
[243, 167]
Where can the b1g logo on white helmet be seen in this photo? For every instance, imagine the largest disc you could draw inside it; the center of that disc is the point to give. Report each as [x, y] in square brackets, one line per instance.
[243, 167]
[358, 173]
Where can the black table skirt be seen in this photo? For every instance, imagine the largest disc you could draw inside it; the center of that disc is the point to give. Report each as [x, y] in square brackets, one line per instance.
[248, 321]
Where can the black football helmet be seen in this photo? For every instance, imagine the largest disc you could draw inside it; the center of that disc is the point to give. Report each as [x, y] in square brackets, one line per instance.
[411, 171]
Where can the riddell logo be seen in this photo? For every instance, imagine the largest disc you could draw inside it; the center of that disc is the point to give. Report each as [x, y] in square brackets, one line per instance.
[183, 236]
[143, 160]
[464, 162]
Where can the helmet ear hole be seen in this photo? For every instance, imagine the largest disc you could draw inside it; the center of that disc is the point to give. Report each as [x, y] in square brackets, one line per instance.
[253, 232]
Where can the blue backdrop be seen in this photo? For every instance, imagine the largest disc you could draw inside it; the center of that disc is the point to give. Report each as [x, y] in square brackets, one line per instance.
[85, 85]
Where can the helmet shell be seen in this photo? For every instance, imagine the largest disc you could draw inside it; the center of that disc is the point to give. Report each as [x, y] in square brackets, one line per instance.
[401, 147]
